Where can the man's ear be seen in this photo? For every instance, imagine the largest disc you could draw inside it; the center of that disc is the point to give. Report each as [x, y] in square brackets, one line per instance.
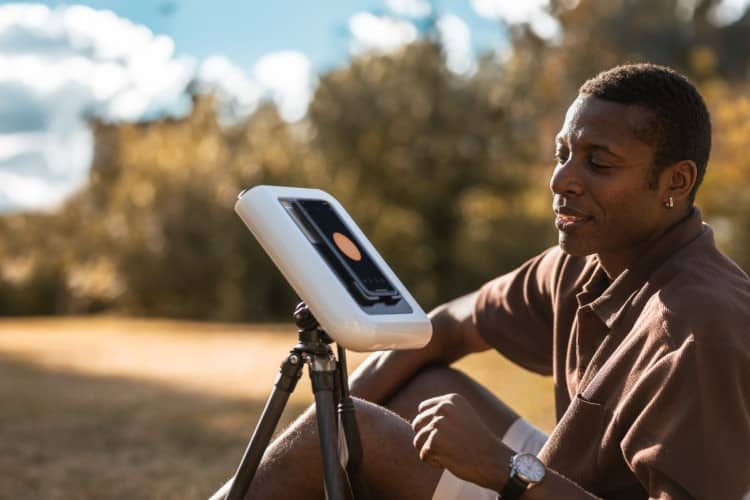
[679, 179]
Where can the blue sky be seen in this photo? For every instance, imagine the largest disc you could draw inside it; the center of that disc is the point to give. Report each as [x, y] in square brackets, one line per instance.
[126, 60]
[245, 31]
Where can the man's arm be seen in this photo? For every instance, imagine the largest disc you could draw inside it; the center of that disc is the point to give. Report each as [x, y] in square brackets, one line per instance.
[520, 300]
[453, 337]
[451, 435]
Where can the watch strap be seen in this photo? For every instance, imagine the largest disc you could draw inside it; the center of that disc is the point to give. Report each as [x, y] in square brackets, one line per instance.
[514, 488]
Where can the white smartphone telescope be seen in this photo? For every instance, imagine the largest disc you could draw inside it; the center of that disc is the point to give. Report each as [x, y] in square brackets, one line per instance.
[333, 267]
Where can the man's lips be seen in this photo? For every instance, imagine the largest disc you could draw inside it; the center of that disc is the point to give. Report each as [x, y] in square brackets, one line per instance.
[569, 219]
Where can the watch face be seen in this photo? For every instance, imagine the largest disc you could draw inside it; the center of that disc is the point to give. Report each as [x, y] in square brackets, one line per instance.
[529, 468]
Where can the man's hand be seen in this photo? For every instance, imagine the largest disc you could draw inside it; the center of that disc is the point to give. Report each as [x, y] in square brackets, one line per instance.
[450, 434]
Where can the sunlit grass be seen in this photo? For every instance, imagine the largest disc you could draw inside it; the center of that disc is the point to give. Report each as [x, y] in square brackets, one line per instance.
[122, 408]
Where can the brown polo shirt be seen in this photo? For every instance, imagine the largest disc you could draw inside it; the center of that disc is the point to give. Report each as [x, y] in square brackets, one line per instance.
[652, 371]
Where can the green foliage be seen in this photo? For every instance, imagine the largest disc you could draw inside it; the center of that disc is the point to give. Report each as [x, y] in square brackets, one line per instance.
[446, 174]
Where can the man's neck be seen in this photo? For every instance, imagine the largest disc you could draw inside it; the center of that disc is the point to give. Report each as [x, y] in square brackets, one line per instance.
[614, 263]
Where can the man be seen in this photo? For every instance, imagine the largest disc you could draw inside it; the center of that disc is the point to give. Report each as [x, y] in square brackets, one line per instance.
[639, 318]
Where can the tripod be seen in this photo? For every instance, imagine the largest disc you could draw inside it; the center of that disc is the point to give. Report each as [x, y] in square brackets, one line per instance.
[331, 389]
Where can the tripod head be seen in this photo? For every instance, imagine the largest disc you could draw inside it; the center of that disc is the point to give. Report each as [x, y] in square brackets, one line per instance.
[308, 327]
[304, 318]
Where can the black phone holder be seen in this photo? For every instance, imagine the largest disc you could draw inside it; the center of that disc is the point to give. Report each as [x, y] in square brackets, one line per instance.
[333, 405]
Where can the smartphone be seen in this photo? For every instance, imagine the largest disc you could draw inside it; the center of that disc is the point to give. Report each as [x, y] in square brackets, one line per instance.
[342, 251]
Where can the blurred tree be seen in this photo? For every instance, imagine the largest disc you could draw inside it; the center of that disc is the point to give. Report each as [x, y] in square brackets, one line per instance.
[725, 194]
[178, 247]
[154, 231]
[32, 279]
[679, 33]
[421, 157]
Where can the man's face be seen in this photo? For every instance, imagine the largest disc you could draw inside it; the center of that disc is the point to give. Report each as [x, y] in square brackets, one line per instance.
[602, 199]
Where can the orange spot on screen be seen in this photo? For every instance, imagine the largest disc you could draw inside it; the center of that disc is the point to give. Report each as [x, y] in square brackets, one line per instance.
[347, 246]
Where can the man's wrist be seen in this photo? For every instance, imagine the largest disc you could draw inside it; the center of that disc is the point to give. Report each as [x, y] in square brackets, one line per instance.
[500, 472]
[526, 471]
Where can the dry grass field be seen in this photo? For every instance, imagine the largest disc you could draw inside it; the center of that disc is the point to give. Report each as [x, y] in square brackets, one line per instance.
[109, 408]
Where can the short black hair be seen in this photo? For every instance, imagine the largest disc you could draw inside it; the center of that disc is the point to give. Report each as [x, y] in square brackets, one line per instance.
[680, 126]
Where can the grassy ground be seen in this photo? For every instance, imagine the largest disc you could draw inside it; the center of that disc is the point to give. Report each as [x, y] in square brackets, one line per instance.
[108, 408]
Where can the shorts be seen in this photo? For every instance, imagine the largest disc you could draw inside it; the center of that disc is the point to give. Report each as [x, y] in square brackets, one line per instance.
[521, 436]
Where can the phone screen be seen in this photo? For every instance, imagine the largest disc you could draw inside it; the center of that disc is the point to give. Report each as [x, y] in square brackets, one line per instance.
[339, 239]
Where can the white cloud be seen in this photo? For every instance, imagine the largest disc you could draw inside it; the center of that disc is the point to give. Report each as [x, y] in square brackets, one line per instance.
[56, 67]
[124, 70]
[287, 76]
[456, 39]
[513, 12]
[410, 8]
[39, 169]
[371, 33]
[527, 11]
[237, 94]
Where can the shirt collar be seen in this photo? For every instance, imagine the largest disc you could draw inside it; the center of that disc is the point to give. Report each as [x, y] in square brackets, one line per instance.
[614, 298]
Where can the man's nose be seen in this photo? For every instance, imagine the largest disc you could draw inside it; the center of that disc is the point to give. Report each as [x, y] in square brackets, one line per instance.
[566, 179]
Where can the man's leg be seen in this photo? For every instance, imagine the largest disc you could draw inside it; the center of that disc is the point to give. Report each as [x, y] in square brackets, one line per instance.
[497, 416]
[292, 468]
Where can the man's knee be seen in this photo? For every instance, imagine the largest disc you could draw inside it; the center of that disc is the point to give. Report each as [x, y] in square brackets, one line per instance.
[375, 419]
[372, 420]
[436, 373]
[427, 383]
[435, 381]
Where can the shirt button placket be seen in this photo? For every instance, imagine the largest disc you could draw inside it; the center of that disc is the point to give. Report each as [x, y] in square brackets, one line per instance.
[590, 338]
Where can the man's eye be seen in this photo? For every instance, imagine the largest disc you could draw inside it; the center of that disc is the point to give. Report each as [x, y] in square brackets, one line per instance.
[598, 166]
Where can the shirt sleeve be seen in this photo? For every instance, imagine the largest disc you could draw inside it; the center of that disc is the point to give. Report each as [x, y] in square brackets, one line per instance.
[514, 312]
[691, 436]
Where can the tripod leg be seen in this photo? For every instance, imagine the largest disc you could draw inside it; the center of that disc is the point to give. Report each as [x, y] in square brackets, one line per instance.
[351, 430]
[289, 374]
[322, 373]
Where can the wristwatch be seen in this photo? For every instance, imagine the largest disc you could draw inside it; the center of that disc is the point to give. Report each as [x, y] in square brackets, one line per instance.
[526, 470]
